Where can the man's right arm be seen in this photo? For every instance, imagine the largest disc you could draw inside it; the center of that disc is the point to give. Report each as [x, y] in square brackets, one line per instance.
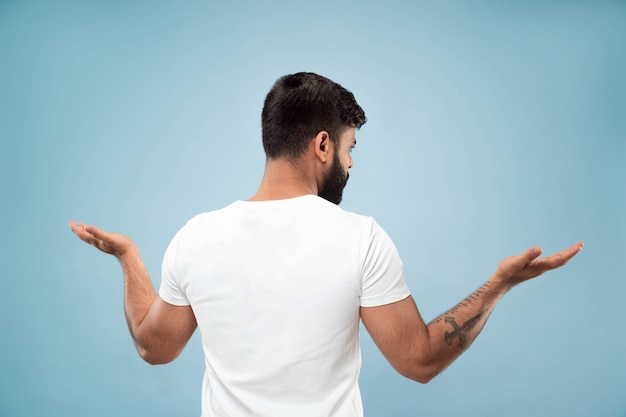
[160, 330]
[419, 351]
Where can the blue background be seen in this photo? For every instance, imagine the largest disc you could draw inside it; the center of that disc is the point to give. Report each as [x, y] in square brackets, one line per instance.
[493, 127]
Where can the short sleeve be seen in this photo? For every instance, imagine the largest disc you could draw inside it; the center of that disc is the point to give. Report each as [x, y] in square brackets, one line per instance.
[171, 289]
[383, 280]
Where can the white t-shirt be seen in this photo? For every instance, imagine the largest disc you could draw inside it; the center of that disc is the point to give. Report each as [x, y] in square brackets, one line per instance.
[276, 288]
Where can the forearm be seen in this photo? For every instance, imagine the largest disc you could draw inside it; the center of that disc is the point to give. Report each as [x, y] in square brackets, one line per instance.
[450, 334]
[159, 330]
[139, 293]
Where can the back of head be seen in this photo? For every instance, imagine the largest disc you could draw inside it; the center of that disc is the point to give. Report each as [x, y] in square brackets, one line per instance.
[301, 105]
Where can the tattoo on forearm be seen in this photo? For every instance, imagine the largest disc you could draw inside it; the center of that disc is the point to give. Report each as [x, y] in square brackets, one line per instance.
[460, 332]
[467, 301]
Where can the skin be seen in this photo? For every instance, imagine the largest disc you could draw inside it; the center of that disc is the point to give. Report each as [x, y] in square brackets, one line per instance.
[417, 350]
[287, 179]
[160, 330]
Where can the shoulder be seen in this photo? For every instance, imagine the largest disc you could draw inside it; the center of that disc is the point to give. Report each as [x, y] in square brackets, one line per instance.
[347, 223]
[200, 223]
[210, 217]
[332, 209]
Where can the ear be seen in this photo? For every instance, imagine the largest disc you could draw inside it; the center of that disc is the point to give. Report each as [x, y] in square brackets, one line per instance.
[322, 145]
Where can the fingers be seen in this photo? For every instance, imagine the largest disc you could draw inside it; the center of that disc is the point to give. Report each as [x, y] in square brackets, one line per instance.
[79, 230]
[92, 235]
[87, 230]
[558, 259]
[73, 226]
[97, 232]
[527, 265]
[111, 243]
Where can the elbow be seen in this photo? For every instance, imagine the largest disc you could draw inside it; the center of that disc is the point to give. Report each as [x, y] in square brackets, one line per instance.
[423, 376]
[422, 364]
[154, 360]
[154, 357]
[418, 371]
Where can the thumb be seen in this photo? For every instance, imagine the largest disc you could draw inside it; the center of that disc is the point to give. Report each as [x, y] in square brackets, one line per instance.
[96, 232]
[510, 269]
[528, 256]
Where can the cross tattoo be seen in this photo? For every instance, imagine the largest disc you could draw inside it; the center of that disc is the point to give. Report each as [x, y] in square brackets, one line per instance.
[460, 332]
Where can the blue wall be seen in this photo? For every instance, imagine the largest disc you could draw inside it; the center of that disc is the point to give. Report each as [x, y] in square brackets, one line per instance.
[492, 127]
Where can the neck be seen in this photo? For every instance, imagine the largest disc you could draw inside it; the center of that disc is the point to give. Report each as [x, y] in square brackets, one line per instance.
[284, 179]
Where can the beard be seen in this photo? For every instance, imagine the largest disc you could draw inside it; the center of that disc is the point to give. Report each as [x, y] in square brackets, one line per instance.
[334, 182]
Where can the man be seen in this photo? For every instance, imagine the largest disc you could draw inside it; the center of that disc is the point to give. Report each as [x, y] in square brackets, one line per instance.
[277, 284]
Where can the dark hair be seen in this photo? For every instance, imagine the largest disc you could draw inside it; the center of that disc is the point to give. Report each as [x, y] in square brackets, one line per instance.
[301, 105]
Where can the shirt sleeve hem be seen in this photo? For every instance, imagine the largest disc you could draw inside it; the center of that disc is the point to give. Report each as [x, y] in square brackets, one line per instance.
[179, 302]
[381, 301]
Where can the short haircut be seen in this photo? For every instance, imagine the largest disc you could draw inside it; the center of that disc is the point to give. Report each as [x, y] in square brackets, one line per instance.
[301, 105]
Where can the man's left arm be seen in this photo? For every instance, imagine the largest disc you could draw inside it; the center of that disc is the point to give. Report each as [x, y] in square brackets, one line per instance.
[420, 351]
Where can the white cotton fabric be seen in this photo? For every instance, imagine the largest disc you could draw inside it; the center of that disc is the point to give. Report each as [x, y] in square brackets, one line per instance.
[276, 288]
